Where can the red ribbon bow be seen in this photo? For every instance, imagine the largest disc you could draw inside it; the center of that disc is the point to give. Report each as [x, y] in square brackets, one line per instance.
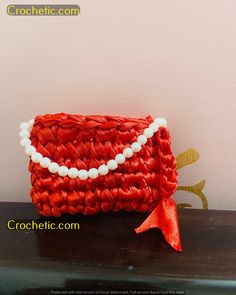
[164, 216]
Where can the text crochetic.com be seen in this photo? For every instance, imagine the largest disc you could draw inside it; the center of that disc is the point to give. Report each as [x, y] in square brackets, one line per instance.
[43, 10]
[37, 225]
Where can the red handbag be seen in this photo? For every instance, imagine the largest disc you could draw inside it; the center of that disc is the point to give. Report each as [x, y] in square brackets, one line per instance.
[90, 164]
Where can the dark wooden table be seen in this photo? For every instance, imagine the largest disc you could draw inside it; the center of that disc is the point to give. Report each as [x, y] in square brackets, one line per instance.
[106, 255]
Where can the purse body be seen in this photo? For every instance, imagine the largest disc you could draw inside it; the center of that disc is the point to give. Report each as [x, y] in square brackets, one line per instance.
[85, 142]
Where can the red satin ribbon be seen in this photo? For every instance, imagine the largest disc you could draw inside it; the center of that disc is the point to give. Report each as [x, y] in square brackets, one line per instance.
[164, 217]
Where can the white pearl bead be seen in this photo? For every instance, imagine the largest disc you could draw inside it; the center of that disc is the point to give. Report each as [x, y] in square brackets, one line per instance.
[112, 165]
[25, 141]
[120, 158]
[142, 139]
[83, 174]
[73, 172]
[24, 134]
[148, 132]
[103, 169]
[30, 150]
[53, 167]
[154, 127]
[45, 162]
[24, 126]
[36, 157]
[63, 171]
[161, 122]
[136, 147]
[128, 152]
[93, 173]
[31, 123]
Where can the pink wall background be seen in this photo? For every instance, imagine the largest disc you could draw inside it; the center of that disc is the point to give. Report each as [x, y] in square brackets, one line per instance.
[168, 58]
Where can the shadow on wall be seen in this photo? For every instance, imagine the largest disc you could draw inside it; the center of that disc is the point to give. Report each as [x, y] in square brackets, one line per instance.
[188, 157]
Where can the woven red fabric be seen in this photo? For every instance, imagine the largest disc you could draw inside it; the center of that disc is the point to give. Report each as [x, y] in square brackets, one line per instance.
[143, 183]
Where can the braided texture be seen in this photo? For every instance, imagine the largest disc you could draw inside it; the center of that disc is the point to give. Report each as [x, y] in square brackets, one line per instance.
[89, 141]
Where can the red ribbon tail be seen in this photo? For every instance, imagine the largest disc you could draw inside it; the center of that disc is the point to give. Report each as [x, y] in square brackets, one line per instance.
[164, 217]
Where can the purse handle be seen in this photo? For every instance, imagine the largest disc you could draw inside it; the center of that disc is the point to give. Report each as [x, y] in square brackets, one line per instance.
[92, 173]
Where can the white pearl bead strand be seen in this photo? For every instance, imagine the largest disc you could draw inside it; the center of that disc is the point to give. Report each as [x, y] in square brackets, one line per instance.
[92, 173]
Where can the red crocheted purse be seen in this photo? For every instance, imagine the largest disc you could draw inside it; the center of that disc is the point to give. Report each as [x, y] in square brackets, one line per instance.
[90, 164]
